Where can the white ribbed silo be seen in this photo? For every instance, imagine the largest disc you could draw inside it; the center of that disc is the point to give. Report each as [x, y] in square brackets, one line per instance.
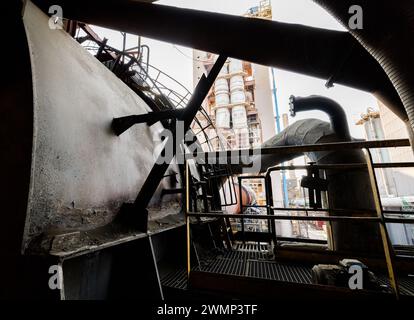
[222, 99]
[235, 66]
[221, 92]
[238, 95]
[239, 116]
[221, 86]
[223, 118]
[237, 83]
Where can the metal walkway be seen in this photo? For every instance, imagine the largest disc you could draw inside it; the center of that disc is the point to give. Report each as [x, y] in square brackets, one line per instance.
[252, 260]
[176, 279]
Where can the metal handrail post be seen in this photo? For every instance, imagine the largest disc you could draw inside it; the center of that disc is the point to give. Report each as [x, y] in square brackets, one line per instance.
[187, 217]
[388, 249]
[269, 203]
[241, 207]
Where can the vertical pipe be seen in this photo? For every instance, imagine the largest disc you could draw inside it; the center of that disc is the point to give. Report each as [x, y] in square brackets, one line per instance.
[274, 91]
[269, 205]
[278, 129]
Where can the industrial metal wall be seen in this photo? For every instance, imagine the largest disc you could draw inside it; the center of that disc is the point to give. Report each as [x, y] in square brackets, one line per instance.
[81, 172]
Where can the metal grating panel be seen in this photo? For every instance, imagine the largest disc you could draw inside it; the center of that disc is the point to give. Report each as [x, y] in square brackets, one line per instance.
[226, 266]
[246, 260]
[282, 272]
[252, 260]
[250, 247]
[406, 284]
[176, 279]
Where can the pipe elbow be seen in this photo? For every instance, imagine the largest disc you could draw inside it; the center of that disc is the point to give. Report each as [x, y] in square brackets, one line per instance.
[334, 110]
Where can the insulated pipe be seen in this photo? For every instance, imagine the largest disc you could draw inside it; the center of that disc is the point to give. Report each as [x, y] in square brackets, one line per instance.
[331, 55]
[335, 112]
[343, 185]
[302, 132]
[386, 32]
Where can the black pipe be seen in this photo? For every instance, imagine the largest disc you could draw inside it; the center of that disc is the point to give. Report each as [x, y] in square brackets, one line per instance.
[387, 33]
[342, 185]
[122, 124]
[334, 110]
[316, 52]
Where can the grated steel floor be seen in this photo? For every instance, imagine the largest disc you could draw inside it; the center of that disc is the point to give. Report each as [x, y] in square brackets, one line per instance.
[176, 279]
[406, 284]
[253, 260]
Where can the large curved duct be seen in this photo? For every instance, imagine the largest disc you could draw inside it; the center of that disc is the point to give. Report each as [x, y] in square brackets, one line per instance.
[63, 168]
[331, 55]
[342, 184]
[387, 34]
[81, 173]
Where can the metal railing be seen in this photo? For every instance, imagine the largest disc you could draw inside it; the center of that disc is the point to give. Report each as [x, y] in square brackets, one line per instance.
[160, 87]
[240, 181]
[379, 212]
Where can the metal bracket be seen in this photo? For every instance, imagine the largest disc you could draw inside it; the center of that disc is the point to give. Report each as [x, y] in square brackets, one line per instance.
[160, 167]
[315, 184]
[122, 124]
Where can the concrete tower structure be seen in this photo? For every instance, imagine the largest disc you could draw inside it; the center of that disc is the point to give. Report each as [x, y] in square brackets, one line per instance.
[241, 108]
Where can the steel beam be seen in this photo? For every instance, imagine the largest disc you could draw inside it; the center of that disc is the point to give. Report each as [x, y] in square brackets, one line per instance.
[315, 52]
[122, 124]
[136, 213]
[306, 148]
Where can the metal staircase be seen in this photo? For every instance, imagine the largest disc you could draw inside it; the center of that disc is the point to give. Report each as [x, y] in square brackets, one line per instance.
[165, 91]
[165, 96]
